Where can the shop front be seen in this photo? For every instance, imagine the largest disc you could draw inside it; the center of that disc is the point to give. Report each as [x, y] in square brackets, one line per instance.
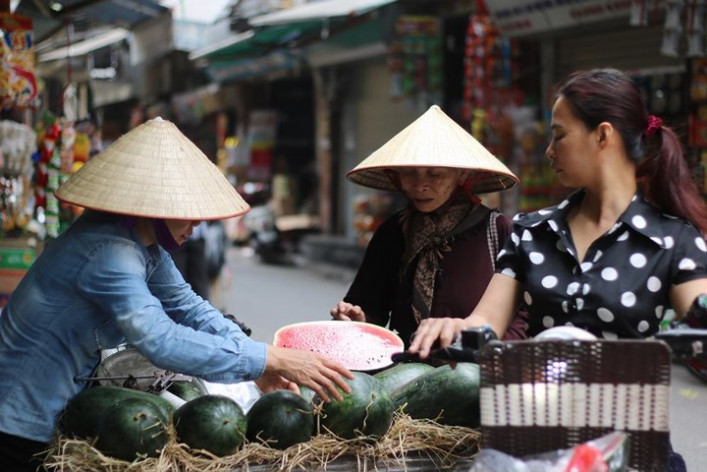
[636, 37]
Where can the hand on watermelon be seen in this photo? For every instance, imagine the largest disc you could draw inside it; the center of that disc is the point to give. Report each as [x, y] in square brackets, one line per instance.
[269, 382]
[309, 369]
[437, 332]
[347, 312]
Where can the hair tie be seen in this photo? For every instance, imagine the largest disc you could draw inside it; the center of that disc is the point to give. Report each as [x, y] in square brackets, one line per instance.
[654, 124]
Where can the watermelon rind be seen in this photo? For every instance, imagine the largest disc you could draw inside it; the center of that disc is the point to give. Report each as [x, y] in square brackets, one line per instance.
[280, 419]
[188, 389]
[83, 412]
[214, 423]
[132, 428]
[448, 395]
[367, 411]
[398, 375]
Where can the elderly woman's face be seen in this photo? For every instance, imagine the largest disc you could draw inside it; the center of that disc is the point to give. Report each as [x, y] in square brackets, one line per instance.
[181, 229]
[428, 188]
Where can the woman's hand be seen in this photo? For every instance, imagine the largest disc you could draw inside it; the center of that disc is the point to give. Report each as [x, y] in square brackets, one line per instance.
[347, 312]
[269, 382]
[431, 330]
[309, 369]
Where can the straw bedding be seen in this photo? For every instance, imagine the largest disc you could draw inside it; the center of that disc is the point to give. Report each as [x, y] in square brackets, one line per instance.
[406, 438]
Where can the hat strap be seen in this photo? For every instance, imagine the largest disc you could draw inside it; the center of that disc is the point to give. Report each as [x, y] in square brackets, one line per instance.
[164, 235]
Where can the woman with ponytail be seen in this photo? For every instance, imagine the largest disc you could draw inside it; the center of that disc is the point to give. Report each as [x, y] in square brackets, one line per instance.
[627, 245]
[622, 249]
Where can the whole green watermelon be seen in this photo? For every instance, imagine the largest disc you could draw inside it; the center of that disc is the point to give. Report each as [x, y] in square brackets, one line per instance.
[214, 423]
[367, 411]
[281, 419]
[131, 429]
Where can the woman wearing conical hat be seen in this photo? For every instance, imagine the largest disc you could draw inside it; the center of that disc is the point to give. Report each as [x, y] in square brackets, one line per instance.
[109, 279]
[435, 257]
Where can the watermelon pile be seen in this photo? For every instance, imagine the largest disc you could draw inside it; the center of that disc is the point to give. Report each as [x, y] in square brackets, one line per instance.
[131, 424]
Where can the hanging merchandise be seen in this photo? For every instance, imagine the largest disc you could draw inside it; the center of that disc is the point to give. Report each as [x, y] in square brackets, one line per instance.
[489, 74]
[18, 86]
[672, 30]
[694, 22]
[55, 163]
[262, 131]
[415, 60]
[17, 145]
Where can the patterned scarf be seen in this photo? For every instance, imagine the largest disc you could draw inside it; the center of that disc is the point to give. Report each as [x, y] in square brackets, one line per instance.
[427, 238]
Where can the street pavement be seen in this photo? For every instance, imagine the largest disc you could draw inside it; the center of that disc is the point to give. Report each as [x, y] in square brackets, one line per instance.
[266, 297]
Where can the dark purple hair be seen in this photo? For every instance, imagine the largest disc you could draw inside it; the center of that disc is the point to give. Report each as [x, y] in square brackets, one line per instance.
[608, 95]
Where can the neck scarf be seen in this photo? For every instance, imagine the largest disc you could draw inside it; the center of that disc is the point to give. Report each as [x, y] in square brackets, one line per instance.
[427, 238]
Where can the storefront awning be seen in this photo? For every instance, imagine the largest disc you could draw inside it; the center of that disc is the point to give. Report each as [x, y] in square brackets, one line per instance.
[319, 11]
[276, 40]
[122, 13]
[274, 62]
[82, 48]
[256, 42]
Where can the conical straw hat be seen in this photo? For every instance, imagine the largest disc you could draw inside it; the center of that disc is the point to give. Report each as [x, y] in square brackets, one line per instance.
[154, 171]
[434, 140]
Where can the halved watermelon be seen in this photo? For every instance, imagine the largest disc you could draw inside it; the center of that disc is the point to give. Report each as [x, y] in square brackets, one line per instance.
[355, 345]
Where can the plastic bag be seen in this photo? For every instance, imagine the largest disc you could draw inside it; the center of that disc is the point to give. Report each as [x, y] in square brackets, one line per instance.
[605, 454]
[243, 393]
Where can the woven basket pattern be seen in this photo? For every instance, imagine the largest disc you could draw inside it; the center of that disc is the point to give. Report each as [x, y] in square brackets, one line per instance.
[542, 396]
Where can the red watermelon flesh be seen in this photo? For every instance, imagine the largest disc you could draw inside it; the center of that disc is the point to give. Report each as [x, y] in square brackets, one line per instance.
[355, 345]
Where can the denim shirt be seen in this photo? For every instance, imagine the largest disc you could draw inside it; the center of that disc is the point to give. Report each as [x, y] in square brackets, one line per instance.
[95, 287]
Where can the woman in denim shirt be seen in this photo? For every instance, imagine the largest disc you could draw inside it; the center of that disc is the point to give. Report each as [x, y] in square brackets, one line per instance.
[109, 279]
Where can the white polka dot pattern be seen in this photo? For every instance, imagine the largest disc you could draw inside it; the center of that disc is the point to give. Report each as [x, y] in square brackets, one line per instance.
[628, 299]
[638, 260]
[536, 258]
[620, 288]
[605, 315]
[669, 242]
[653, 284]
[687, 264]
[550, 281]
[639, 222]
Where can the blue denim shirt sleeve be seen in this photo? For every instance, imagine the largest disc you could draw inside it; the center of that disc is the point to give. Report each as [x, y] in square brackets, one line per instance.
[164, 319]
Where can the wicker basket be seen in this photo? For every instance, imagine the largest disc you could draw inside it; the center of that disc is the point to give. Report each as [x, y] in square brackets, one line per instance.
[542, 396]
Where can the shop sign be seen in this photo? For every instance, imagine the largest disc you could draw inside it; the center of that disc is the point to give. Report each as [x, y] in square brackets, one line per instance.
[522, 17]
[191, 107]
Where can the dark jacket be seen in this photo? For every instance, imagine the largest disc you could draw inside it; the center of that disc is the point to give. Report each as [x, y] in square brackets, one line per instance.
[465, 272]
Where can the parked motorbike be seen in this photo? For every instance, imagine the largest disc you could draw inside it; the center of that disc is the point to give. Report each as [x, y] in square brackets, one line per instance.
[263, 235]
[688, 339]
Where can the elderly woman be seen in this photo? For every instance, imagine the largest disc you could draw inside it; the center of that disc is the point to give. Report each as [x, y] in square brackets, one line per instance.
[109, 279]
[435, 257]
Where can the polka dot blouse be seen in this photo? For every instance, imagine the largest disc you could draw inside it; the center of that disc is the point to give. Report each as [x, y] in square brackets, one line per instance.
[621, 288]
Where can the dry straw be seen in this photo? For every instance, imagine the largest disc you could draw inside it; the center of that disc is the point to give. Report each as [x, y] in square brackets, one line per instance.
[408, 443]
[154, 171]
[434, 140]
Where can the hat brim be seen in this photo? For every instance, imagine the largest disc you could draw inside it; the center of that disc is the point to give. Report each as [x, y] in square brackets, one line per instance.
[434, 140]
[154, 171]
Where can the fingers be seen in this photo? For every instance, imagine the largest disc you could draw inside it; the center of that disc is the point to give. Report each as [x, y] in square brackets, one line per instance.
[292, 387]
[430, 331]
[333, 380]
[347, 312]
